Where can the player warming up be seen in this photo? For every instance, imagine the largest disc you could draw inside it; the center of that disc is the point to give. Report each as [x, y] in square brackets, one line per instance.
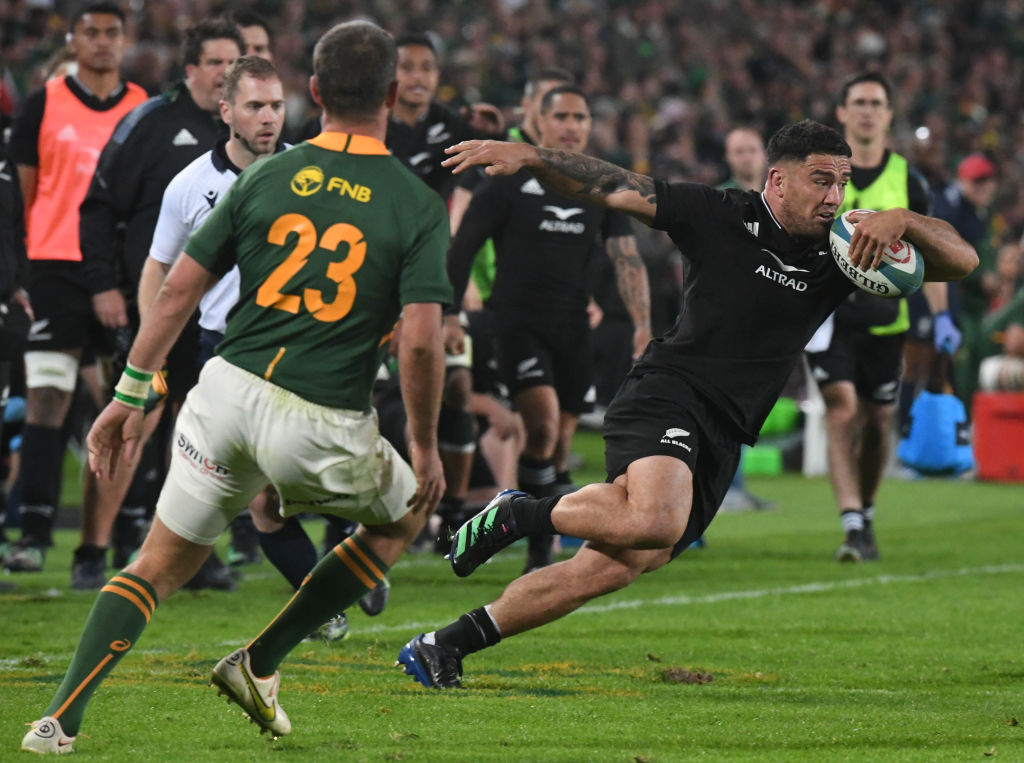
[759, 280]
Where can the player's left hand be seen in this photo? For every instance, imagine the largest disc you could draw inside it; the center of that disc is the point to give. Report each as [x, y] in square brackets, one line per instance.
[498, 157]
[116, 431]
[947, 335]
[874, 232]
[641, 338]
[430, 484]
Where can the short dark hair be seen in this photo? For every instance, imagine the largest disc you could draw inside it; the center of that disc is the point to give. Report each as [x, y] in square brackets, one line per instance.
[547, 74]
[255, 66]
[799, 140]
[415, 38]
[354, 64]
[210, 29]
[550, 95]
[112, 9]
[876, 77]
[244, 18]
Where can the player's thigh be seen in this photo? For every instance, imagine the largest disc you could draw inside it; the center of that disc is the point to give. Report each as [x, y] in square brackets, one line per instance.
[213, 473]
[659, 415]
[573, 362]
[524, 360]
[880, 368]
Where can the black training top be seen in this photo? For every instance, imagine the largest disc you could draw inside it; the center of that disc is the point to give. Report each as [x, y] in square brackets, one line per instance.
[542, 243]
[421, 146]
[752, 298]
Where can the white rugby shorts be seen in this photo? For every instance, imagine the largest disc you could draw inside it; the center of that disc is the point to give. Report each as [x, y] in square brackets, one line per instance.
[237, 432]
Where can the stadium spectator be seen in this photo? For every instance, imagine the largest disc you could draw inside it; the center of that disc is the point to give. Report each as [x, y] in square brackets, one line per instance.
[859, 362]
[543, 242]
[58, 135]
[302, 415]
[148, 148]
[966, 204]
[673, 432]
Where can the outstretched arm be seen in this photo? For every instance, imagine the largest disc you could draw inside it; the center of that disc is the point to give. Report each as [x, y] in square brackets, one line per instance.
[582, 177]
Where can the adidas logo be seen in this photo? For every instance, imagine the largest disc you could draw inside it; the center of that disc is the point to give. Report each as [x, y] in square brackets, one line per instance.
[184, 138]
[533, 186]
[417, 158]
[68, 135]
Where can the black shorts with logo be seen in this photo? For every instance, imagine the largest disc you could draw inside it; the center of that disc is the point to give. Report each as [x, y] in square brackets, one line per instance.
[873, 363]
[560, 358]
[64, 317]
[660, 415]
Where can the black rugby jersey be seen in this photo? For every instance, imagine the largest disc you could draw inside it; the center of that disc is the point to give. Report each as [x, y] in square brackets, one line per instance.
[421, 146]
[752, 297]
[542, 243]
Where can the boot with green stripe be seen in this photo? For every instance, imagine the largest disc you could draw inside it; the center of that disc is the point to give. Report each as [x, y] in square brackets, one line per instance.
[485, 534]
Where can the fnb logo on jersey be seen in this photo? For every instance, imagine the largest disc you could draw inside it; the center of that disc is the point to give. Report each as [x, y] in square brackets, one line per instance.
[307, 181]
[345, 188]
[192, 454]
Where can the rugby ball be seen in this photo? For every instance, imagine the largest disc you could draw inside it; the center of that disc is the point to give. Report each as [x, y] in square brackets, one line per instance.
[900, 273]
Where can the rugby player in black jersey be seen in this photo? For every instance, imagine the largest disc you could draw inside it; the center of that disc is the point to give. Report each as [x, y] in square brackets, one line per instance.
[759, 280]
[543, 243]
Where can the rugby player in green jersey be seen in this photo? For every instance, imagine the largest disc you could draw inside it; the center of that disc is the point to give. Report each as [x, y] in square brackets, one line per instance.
[333, 239]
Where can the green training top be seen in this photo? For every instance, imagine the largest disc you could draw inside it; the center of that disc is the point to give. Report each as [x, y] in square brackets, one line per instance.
[887, 191]
[332, 238]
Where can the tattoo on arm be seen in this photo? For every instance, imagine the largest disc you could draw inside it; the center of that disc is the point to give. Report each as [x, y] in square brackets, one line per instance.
[594, 180]
[631, 275]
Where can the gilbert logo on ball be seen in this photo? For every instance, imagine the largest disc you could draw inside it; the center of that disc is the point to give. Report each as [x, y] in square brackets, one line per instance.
[899, 274]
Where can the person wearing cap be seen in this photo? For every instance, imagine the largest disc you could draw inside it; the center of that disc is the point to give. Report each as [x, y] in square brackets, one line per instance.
[966, 205]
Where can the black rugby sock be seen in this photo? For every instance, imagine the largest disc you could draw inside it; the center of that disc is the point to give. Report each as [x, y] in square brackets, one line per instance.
[533, 515]
[290, 550]
[42, 454]
[470, 633]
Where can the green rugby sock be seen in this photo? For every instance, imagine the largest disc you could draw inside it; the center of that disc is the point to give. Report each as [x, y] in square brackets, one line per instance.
[339, 580]
[120, 614]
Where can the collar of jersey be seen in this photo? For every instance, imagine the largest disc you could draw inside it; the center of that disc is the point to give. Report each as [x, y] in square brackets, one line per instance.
[350, 143]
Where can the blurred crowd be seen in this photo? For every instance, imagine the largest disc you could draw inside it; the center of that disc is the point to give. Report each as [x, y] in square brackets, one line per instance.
[666, 79]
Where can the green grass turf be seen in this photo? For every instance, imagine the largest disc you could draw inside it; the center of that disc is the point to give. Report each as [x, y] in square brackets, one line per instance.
[917, 657]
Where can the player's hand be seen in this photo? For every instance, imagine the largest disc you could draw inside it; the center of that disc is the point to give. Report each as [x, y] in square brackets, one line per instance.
[947, 335]
[426, 465]
[116, 431]
[110, 308]
[485, 117]
[499, 158]
[454, 335]
[874, 232]
[594, 314]
[641, 338]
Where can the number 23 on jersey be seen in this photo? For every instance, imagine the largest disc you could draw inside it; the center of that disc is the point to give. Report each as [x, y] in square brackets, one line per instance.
[270, 293]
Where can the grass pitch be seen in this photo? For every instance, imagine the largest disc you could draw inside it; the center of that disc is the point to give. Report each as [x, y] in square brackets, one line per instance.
[919, 656]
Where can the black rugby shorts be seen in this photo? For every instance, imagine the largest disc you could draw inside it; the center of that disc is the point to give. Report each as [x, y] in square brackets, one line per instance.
[660, 415]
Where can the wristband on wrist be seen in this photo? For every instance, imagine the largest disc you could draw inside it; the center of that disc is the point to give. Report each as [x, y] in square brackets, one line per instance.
[133, 387]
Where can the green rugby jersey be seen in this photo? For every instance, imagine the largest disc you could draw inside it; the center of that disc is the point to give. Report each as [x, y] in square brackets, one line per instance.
[331, 237]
